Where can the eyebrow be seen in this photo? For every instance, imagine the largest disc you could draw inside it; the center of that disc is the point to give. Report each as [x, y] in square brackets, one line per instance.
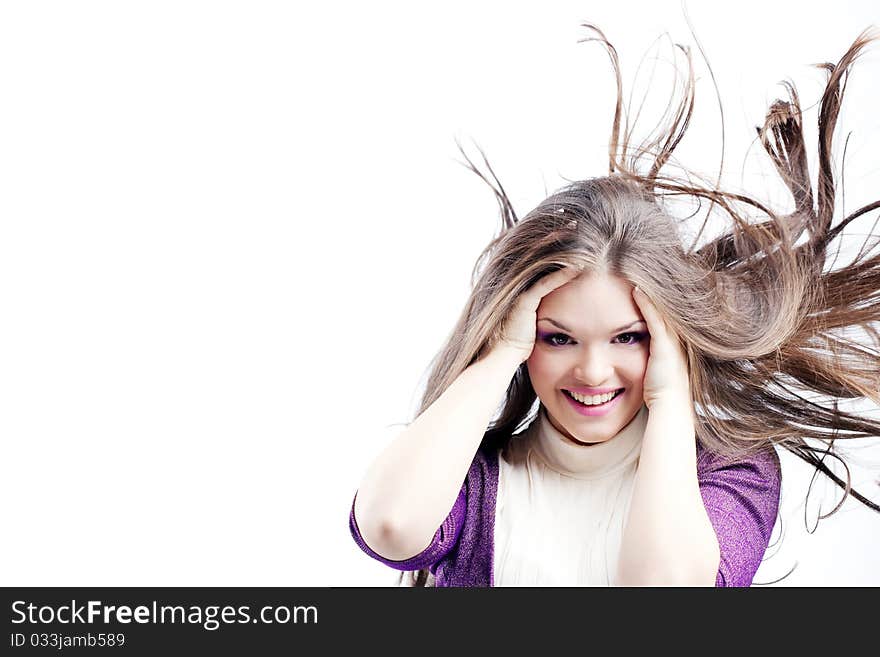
[560, 326]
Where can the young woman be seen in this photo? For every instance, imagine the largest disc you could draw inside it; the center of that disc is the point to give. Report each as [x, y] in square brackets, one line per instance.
[608, 407]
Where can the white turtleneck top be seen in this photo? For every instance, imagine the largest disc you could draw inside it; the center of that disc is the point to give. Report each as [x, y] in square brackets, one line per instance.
[561, 507]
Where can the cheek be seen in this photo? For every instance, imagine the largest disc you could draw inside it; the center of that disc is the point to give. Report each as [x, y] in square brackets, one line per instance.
[636, 368]
[547, 369]
[544, 369]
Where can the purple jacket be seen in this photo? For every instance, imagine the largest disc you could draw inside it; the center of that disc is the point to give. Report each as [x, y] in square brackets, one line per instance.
[741, 499]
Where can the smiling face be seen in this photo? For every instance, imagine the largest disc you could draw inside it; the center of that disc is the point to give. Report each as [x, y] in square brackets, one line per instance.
[597, 339]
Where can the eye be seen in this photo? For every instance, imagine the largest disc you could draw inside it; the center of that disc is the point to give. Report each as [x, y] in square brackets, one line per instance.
[551, 339]
[636, 337]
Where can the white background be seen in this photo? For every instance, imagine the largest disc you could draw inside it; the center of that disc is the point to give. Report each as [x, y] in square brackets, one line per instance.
[234, 234]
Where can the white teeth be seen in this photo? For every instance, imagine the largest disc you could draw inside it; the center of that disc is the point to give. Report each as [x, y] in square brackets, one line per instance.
[592, 400]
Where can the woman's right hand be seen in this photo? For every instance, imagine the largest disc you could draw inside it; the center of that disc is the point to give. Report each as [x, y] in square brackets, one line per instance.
[519, 327]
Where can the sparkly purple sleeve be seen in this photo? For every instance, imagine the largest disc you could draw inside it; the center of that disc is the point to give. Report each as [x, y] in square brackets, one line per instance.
[444, 539]
[742, 500]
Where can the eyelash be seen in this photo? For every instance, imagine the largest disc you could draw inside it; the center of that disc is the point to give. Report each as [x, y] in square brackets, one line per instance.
[638, 337]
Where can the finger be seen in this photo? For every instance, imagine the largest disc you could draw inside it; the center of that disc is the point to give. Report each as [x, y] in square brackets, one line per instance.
[550, 282]
[657, 326]
[649, 312]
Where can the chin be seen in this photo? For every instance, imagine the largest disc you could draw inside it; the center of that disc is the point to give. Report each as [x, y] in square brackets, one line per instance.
[594, 429]
[592, 440]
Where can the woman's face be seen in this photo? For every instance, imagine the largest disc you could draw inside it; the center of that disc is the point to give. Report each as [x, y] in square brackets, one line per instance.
[590, 335]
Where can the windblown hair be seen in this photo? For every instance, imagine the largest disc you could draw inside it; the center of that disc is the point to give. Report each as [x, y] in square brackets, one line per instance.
[764, 325]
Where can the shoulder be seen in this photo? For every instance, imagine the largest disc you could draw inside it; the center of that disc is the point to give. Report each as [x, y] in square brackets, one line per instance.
[760, 467]
[724, 481]
[486, 457]
[481, 483]
[741, 497]
[475, 506]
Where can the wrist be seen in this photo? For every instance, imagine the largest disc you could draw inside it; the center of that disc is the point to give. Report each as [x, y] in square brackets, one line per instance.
[678, 408]
[506, 355]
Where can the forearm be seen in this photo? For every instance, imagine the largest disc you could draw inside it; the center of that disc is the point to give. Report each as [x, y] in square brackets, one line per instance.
[410, 488]
[668, 538]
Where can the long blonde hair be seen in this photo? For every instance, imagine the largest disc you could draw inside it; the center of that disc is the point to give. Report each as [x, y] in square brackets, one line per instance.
[764, 325]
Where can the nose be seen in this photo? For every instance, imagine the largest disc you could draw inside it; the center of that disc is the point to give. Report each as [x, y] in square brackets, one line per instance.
[594, 367]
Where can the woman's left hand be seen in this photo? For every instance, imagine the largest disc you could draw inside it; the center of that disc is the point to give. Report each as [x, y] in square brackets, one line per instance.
[666, 377]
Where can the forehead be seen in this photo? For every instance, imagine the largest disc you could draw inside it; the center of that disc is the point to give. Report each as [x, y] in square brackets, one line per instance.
[592, 299]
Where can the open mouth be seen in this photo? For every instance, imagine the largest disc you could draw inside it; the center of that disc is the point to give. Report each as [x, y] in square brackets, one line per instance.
[616, 394]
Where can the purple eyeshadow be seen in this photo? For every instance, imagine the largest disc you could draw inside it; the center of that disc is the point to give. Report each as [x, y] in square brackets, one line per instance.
[547, 337]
